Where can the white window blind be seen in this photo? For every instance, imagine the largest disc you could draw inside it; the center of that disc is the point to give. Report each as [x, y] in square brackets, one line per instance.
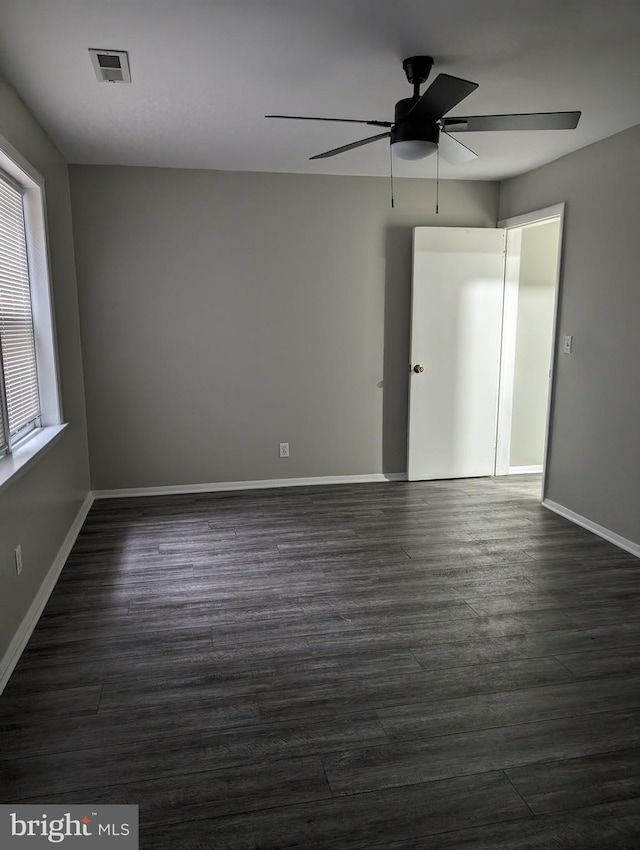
[19, 398]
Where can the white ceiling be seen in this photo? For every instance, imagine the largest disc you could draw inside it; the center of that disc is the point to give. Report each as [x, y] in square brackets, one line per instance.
[205, 72]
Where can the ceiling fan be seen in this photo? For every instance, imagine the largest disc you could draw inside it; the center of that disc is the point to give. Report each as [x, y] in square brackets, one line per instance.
[419, 128]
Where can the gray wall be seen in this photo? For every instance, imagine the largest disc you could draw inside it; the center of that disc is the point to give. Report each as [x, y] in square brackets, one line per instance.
[38, 510]
[534, 332]
[594, 466]
[225, 312]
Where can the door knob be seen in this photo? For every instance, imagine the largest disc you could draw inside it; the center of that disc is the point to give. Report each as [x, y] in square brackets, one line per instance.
[418, 368]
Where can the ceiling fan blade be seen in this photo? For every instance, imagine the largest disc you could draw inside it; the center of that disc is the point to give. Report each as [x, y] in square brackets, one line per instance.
[443, 94]
[341, 120]
[454, 151]
[351, 146]
[529, 121]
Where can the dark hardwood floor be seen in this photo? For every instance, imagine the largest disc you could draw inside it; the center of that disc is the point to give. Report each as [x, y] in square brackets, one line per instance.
[370, 667]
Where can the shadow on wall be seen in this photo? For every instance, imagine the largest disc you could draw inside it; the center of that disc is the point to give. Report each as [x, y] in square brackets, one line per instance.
[397, 314]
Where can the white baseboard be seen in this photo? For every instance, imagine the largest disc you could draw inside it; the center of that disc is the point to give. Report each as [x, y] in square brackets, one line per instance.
[600, 530]
[269, 483]
[523, 470]
[21, 638]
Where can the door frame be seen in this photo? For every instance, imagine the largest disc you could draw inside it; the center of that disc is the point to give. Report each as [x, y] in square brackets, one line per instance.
[505, 393]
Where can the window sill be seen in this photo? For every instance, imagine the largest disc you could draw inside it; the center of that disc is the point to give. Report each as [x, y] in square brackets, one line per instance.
[13, 466]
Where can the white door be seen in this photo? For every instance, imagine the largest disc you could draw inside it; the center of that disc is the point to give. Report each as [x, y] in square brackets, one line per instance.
[456, 324]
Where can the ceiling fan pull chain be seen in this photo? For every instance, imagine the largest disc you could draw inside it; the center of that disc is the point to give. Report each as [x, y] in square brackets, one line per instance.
[391, 175]
[437, 178]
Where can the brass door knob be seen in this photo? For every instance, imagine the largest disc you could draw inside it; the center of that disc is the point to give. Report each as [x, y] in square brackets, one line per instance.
[418, 368]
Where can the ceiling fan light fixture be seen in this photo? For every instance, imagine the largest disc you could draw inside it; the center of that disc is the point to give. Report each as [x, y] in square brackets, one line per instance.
[413, 149]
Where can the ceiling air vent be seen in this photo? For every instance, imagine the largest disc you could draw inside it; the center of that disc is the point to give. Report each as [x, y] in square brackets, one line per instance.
[111, 66]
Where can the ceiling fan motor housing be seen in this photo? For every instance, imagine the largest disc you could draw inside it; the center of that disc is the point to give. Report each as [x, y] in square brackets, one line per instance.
[412, 130]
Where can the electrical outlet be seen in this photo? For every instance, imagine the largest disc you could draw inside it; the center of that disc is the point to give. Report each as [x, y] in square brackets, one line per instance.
[568, 344]
[18, 555]
[284, 449]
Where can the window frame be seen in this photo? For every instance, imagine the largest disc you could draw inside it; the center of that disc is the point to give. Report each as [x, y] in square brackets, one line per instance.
[32, 185]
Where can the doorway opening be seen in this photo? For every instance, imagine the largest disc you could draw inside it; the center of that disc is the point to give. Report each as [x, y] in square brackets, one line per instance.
[532, 276]
[483, 325]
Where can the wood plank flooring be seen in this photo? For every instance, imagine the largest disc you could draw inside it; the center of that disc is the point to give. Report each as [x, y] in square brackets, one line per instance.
[410, 666]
